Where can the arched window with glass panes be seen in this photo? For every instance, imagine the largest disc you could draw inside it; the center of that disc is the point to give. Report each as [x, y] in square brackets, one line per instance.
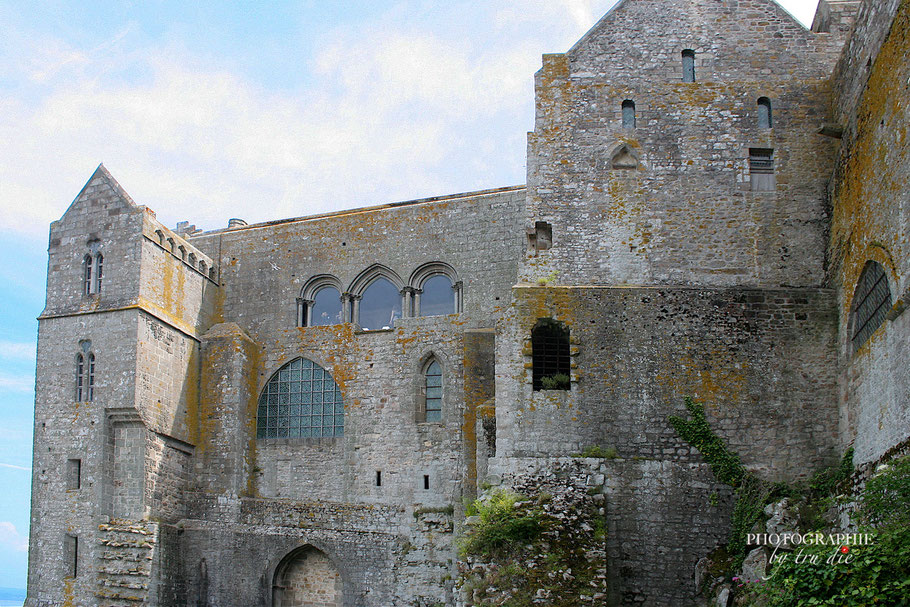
[871, 303]
[301, 400]
[85, 376]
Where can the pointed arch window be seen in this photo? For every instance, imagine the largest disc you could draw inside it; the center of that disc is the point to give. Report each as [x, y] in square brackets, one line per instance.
[380, 305]
[85, 377]
[99, 271]
[628, 114]
[87, 275]
[688, 65]
[871, 303]
[550, 355]
[764, 113]
[301, 400]
[326, 308]
[432, 376]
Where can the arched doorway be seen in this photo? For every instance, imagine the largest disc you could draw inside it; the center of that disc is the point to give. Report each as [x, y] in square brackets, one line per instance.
[306, 578]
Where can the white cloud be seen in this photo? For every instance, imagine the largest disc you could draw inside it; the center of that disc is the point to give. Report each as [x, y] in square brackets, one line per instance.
[15, 350]
[11, 538]
[17, 383]
[15, 467]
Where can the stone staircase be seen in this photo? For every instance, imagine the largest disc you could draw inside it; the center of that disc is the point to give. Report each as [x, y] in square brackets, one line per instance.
[125, 562]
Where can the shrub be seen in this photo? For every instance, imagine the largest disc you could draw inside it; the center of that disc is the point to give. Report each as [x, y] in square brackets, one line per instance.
[501, 525]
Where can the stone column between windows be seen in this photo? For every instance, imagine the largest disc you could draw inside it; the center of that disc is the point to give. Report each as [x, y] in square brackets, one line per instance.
[411, 305]
[458, 295]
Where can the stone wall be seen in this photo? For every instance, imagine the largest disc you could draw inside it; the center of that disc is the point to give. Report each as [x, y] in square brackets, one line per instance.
[870, 222]
[669, 201]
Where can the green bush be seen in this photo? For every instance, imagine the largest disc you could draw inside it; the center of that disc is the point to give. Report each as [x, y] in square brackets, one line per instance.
[886, 498]
[501, 525]
[560, 381]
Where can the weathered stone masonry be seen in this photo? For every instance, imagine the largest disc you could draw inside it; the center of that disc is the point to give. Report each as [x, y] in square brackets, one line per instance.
[688, 245]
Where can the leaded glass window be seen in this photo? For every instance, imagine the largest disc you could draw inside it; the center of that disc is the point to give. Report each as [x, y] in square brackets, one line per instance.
[871, 303]
[434, 392]
[300, 401]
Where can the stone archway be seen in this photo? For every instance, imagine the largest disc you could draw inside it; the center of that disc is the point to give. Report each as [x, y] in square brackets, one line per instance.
[307, 578]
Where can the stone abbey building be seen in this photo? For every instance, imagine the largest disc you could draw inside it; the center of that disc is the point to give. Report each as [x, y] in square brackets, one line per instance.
[294, 412]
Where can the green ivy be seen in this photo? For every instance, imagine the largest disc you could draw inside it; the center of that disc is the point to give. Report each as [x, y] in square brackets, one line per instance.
[751, 492]
[697, 432]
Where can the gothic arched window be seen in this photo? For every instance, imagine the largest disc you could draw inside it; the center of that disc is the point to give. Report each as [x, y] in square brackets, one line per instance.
[871, 303]
[85, 377]
[437, 296]
[301, 400]
[99, 271]
[380, 305]
[87, 275]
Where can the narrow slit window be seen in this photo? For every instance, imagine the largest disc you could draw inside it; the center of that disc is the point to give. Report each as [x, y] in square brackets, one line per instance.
[764, 113]
[99, 271]
[628, 114]
[550, 356]
[379, 478]
[80, 377]
[433, 379]
[90, 379]
[426, 481]
[73, 474]
[87, 275]
[688, 64]
[71, 551]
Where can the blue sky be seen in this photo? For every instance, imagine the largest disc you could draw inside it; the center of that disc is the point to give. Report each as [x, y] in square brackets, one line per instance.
[209, 110]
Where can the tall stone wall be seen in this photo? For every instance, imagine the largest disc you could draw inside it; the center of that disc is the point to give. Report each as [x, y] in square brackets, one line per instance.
[871, 206]
[669, 200]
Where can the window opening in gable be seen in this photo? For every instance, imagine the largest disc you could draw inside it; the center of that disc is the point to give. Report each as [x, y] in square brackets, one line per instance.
[628, 114]
[99, 271]
[326, 307]
[437, 296]
[380, 305]
[433, 387]
[761, 170]
[301, 400]
[764, 113]
[87, 275]
[871, 303]
[90, 381]
[688, 64]
[550, 355]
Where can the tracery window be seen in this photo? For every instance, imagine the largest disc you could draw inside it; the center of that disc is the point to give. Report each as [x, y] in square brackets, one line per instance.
[85, 377]
[550, 355]
[433, 386]
[301, 400]
[92, 272]
[871, 303]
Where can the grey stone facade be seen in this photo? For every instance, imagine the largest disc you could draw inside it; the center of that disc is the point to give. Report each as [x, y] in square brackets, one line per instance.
[681, 262]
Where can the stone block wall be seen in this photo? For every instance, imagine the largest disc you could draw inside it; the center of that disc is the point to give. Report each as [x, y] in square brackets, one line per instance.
[762, 361]
[871, 207]
[669, 200]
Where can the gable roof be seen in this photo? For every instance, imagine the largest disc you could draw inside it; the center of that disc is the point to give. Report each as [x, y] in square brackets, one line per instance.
[101, 185]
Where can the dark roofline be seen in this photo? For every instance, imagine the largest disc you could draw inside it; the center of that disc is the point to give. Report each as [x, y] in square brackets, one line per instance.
[391, 205]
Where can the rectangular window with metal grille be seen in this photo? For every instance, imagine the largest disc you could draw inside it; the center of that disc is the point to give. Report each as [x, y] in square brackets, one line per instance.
[550, 356]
